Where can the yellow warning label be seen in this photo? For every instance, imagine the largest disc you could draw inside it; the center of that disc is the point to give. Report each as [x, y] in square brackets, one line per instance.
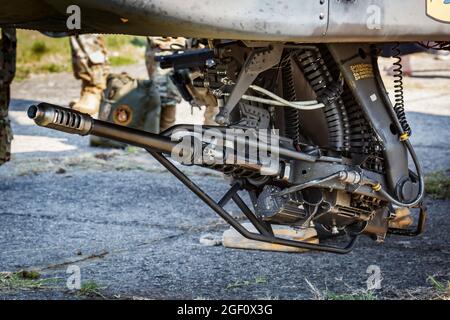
[362, 71]
[439, 10]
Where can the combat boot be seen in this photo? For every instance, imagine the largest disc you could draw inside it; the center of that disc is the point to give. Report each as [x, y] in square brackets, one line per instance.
[89, 101]
[167, 117]
[402, 219]
[210, 115]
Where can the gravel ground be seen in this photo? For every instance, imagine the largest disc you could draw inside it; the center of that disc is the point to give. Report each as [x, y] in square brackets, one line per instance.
[134, 230]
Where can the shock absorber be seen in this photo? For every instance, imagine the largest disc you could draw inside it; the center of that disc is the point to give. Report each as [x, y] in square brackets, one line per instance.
[399, 101]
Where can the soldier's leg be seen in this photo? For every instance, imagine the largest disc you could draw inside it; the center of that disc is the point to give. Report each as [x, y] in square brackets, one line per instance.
[90, 65]
[7, 71]
[168, 117]
[210, 115]
[169, 99]
[203, 98]
[168, 92]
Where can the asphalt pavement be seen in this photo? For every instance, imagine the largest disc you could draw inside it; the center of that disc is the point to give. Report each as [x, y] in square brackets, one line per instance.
[134, 230]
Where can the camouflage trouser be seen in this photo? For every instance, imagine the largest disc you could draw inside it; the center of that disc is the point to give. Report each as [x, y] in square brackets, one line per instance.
[89, 60]
[7, 71]
[168, 92]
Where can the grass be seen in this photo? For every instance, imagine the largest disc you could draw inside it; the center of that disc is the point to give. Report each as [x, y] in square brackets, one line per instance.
[31, 281]
[121, 61]
[24, 280]
[131, 150]
[91, 289]
[38, 48]
[367, 295]
[38, 54]
[355, 294]
[437, 184]
[441, 289]
[244, 283]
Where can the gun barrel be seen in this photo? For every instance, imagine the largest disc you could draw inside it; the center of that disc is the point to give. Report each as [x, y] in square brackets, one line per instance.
[75, 122]
[185, 60]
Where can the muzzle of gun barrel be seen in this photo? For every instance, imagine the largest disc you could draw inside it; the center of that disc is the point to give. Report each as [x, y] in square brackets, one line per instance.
[62, 119]
[72, 121]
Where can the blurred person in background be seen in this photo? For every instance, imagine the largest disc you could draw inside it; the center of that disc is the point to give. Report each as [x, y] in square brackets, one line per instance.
[169, 94]
[90, 65]
[8, 44]
[404, 50]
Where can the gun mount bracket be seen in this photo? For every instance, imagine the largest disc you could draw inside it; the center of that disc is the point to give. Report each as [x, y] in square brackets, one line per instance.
[413, 231]
[259, 60]
[265, 231]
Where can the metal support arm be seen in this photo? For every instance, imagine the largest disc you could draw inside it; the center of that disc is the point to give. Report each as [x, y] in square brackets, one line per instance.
[231, 194]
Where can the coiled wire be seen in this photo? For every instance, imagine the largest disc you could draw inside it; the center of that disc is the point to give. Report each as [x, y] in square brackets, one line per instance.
[399, 100]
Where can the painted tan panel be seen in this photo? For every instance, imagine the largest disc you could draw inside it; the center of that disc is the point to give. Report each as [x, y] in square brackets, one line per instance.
[439, 10]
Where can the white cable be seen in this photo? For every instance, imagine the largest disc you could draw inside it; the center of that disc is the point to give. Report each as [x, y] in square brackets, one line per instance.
[278, 98]
[302, 105]
[280, 104]
[262, 100]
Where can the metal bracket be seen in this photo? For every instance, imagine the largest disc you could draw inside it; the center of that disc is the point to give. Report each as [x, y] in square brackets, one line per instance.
[259, 60]
[358, 71]
[265, 233]
[414, 231]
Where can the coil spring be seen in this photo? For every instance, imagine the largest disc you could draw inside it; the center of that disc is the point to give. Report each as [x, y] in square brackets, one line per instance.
[399, 105]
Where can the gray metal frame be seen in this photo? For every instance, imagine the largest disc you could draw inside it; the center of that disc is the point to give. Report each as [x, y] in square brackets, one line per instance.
[282, 20]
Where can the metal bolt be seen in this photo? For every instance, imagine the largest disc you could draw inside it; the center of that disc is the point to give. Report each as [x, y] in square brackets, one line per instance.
[227, 81]
[221, 118]
[210, 63]
[334, 230]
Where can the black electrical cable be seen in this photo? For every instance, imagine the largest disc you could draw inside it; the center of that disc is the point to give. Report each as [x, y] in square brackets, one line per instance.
[377, 187]
[399, 106]
[421, 192]
[307, 184]
[390, 109]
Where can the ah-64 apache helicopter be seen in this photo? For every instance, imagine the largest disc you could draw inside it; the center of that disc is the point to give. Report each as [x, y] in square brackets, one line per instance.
[305, 69]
